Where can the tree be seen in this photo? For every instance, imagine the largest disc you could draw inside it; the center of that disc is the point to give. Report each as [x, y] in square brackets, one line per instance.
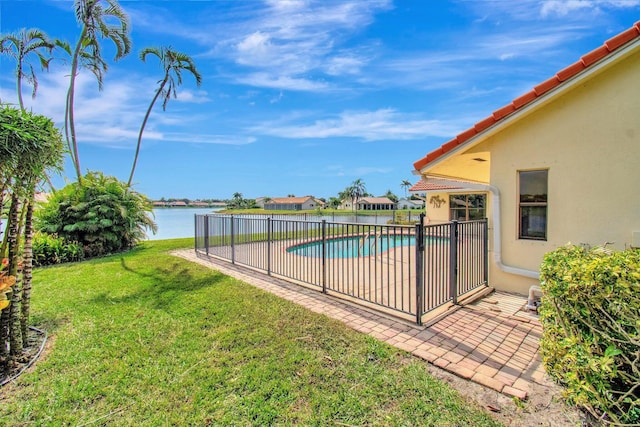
[334, 202]
[29, 145]
[173, 63]
[389, 195]
[93, 18]
[22, 45]
[406, 185]
[102, 213]
[356, 191]
[237, 202]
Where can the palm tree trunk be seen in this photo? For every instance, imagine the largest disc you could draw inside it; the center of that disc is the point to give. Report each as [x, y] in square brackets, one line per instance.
[27, 268]
[19, 84]
[70, 127]
[11, 324]
[144, 123]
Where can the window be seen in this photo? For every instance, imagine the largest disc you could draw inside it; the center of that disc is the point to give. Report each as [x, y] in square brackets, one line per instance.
[467, 207]
[533, 204]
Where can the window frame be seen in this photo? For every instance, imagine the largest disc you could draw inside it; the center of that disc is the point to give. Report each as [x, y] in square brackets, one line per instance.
[522, 206]
[483, 209]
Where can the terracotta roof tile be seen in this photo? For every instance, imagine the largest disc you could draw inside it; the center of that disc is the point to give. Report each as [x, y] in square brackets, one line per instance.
[623, 38]
[503, 112]
[546, 85]
[464, 136]
[570, 71]
[484, 124]
[563, 75]
[423, 185]
[524, 99]
[448, 146]
[594, 56]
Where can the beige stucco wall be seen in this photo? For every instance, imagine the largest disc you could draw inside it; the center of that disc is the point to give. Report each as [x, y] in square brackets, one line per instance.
[589, 140]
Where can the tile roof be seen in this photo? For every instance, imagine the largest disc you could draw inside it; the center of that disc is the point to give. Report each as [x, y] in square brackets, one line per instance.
[290, 199]
[374, 200]
[561, 76]
[423, 186]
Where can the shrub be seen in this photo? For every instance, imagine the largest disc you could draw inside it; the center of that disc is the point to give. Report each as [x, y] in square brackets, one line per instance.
[50, 249]
[590, 314]
[101, 213]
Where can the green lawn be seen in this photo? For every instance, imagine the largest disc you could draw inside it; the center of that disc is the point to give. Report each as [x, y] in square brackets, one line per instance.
[148, 339]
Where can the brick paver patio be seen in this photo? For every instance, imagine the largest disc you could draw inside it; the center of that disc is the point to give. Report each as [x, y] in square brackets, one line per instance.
[491, 342]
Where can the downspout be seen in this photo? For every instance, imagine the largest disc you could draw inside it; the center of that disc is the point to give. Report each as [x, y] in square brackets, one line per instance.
[497, 240]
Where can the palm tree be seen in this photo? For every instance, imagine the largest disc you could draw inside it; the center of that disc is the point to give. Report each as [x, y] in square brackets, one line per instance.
[356, 191]
[172, 63]
[21, 45]
[94, 20]
[405, 184]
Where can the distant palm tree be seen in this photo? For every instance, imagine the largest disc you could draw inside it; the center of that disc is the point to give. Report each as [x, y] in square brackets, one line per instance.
[20, 45]
[356, 191]
[405, 184]
[95, 21]
[172, 63]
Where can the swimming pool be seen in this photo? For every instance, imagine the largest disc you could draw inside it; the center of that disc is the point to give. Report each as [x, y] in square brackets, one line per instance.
[354, 246]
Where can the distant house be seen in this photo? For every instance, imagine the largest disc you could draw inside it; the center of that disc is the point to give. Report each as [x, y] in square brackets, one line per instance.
[260, 202]
[159, 204]
[291, 203]
[375, 204]
[177, 203]
[558, 164]
[410, 204]
[200, 204]
[346, 204]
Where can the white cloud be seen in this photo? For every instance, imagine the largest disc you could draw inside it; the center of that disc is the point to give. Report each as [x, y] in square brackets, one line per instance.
[282, 82]
[196, 138]
[566, 7]
[384, 124]
[186, 95]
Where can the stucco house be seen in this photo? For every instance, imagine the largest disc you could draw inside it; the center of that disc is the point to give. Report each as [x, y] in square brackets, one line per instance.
[292, 203]
[409, 204]
[558, 165]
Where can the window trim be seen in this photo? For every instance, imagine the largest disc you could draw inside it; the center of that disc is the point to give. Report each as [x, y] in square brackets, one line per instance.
[521, 205]
[484, 208]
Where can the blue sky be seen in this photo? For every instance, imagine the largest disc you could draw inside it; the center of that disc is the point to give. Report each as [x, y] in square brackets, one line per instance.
[303, 97]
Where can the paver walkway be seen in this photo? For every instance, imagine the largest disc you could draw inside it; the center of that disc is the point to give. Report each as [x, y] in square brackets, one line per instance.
[491, 342]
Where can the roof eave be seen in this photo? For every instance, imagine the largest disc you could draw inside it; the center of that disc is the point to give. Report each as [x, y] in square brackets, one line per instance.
[484, 130]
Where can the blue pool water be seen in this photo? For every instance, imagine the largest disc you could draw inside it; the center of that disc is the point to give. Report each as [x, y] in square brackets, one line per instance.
[353, 247]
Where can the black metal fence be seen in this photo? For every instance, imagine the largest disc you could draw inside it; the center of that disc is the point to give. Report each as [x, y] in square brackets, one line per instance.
[399, 269]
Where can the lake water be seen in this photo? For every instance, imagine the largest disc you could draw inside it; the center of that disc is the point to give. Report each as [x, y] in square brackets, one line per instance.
[176, 222]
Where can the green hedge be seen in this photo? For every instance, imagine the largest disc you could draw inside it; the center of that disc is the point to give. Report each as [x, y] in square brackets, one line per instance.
[51, 249]
[590, 314]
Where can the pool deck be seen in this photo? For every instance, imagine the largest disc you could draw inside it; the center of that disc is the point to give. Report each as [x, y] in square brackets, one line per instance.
[493, 341]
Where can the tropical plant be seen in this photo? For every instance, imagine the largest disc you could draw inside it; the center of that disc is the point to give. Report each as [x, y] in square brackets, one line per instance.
[20, 46]
[405, 184]
[94, 20]
[50, 249]
[103, 214]
[173, 63]
[356, 191]
[389, 195]
[6, 282]
[590, 314]
[334, 202]
[29, 145]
